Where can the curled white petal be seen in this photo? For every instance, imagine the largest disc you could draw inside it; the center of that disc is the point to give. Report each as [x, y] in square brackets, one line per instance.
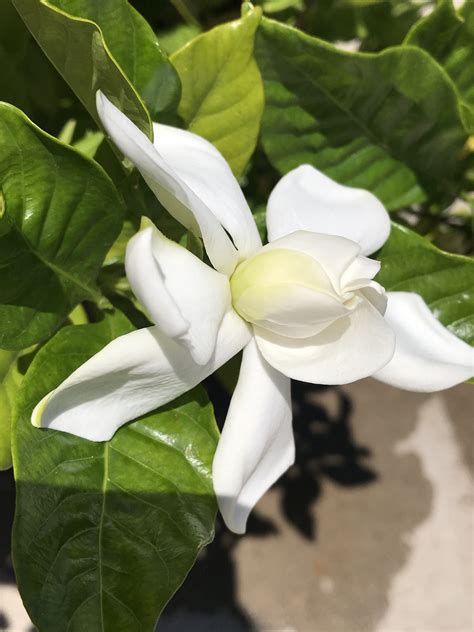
[428, 357]
[170, 188]
[257, 444]
[185, 297]
[306, 199]
[359, 273]
[351, 348]
[203, 168]
[285, 291]
[334, 254]
[131, 376]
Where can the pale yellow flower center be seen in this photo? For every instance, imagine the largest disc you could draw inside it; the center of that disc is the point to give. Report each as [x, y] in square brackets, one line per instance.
[269, 283]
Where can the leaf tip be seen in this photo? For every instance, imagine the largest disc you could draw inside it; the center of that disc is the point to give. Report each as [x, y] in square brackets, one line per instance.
[248, 8]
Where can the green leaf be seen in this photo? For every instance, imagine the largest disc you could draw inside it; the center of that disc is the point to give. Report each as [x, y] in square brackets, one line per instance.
[77, 48]
[105, 533]
[61, 213]
[410, 263]
[276, 6]
[450, 40]
[88, 144]
[177, 37]
[135, 48]
[222, 93]
[27, 78]
[10, 379]
[386, 122]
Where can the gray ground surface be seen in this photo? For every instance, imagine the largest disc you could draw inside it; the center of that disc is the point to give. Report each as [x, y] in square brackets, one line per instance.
[371, 531]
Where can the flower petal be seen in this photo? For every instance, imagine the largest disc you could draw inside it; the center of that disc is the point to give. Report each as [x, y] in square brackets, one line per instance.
[349, 349]
[203, 168]
[333, 253]
[306, 199]
[185, 297]
[359, 273]
[169, 188]
[256, 445]
[131, 376]
[376, 295]
[148, 284]
[428, 357]
[197, 186]
[295, 311]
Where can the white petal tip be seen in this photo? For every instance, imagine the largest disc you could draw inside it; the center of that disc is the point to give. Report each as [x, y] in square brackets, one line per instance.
[100, 101]
[428, 357]
[235, 516]
[307, 199]
[39, 409]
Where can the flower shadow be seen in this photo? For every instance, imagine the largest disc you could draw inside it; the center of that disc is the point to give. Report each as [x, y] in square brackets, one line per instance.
[325, 449]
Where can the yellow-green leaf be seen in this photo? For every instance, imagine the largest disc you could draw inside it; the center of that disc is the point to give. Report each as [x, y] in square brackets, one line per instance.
[222, 92]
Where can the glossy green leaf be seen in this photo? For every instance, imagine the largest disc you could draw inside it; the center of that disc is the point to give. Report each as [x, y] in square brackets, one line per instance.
[106, 532]
[410, 263]
[450, 39]
[10, 379]
[78, 49]
[222, 93]
[386, 122]
[61, 213]
[134, 46]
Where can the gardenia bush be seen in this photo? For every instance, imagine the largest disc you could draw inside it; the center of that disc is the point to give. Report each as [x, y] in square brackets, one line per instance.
[260, 191]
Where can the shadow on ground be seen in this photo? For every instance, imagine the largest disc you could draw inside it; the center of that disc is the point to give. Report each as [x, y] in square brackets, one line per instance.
[325, 449]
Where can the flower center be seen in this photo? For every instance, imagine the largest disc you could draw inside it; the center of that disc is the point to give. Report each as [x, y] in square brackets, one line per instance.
[287, 292]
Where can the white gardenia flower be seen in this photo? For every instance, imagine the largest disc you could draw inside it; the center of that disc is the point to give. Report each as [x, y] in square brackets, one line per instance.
[304, 306]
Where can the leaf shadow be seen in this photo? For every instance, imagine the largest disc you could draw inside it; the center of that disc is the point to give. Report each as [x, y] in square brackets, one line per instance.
[325, 450]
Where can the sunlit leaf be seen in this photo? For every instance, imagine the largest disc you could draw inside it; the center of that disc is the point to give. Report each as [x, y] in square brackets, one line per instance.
[222, 92]
[387, 122]
[106, 532]
[177, 37]
[450, 39]
[61, 213]
[410, 263]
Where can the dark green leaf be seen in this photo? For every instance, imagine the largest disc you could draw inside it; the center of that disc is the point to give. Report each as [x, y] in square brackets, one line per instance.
[77, 48]
[450, 39]
[134, 46]
[106, 532]
[10, 379]
[371, 24]
[386, 122]
[61, 214]
[27, 79]
[410, 263]
[222, 92]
